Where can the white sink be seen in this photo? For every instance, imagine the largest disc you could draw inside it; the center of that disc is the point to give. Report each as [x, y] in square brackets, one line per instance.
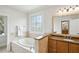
[68, 39]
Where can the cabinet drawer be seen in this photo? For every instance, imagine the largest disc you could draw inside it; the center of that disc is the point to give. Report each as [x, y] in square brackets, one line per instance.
[73, 48]
[52, 43]
[62, 47]
[50, 50]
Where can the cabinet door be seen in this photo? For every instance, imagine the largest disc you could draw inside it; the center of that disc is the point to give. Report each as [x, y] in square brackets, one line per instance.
[51, 45]
[73, 48]
[62, 47]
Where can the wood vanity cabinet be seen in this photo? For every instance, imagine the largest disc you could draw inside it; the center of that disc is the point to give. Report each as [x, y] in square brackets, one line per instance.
[73, 48]
[51, 45]
[57, 44]
[62, 47]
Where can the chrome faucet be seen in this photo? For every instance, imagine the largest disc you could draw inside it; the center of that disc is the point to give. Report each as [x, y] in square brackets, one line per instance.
[66, 37]
[70, 37]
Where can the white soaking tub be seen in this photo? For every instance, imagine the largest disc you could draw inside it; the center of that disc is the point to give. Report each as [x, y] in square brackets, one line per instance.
[25, 45]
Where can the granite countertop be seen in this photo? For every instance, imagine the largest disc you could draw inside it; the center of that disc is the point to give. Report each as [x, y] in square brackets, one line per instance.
[41, 36]
[66, 40]
[72, 35]
[57, 38]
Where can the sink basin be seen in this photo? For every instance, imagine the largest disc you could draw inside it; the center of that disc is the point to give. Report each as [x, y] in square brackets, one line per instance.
[68, 40]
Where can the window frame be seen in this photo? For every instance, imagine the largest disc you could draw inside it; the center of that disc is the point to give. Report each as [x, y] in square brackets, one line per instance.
[42, 28]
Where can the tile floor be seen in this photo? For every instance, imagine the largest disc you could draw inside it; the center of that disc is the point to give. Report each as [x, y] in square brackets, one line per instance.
[4, 50]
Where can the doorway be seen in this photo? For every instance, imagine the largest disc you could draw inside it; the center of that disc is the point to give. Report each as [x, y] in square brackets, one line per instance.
[3, 32]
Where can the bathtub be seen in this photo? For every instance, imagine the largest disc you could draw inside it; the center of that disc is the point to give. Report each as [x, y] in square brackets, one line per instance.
[25, 45]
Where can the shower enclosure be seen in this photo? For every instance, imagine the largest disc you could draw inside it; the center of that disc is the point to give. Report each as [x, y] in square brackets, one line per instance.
[3, 31]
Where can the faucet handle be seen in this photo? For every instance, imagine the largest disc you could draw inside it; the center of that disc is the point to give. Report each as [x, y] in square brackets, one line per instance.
[66, 37]
[70, 37]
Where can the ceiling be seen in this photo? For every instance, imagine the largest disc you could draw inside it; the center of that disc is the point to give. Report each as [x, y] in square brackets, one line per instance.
[25, 8]
[29, 8]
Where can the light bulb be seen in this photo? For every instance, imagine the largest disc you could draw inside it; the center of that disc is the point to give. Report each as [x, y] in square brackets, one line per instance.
[77, 8]
[76, 11]
[59, 12]
[65, 11]
[70, 10]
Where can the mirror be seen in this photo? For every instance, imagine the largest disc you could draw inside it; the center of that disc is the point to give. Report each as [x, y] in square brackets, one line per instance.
[66, 24]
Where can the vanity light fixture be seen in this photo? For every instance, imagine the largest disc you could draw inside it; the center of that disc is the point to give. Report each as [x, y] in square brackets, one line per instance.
[69, 10]
[65, 10]
[77, 8]
[59, 12]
